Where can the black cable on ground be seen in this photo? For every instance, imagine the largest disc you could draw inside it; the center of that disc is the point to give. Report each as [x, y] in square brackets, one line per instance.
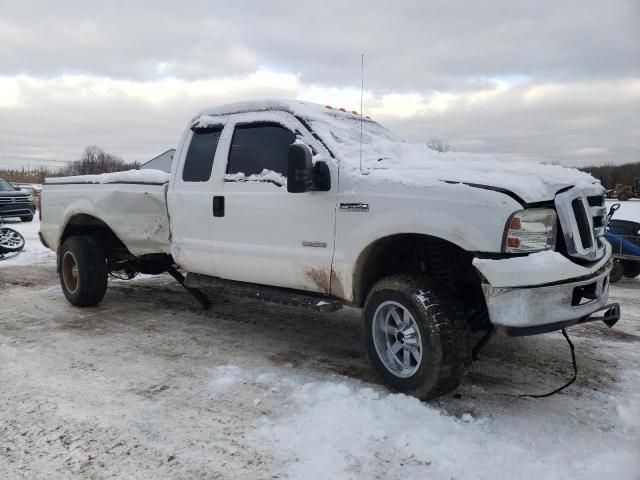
[483, 341]
[575, 372]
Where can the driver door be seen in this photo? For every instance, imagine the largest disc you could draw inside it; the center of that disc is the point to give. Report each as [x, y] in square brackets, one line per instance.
[267, 235]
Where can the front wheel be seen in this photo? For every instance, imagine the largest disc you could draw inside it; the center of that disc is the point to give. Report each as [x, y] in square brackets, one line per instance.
[82, 268]
[415, 340]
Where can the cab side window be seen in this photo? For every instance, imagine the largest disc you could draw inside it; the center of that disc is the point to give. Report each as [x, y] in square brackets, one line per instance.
[259, 146]
[202, 150]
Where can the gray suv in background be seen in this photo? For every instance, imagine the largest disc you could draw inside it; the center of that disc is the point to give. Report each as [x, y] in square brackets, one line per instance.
[15, 203]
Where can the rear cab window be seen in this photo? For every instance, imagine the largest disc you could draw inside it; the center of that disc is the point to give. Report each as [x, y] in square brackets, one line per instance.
[198, 163]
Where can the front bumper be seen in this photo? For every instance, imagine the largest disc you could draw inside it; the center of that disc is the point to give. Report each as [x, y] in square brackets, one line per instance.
[17, 210]
[539, 309]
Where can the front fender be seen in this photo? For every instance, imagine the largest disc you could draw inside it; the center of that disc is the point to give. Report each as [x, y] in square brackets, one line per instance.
[470, 218]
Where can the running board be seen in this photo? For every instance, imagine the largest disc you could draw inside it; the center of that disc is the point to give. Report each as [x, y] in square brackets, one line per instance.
[281, 296]
[197, 294]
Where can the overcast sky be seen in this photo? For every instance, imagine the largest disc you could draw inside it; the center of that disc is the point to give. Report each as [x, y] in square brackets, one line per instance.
[555, 81]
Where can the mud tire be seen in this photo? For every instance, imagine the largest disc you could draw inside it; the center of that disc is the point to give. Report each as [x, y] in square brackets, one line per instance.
[86, 257]
[445, 337]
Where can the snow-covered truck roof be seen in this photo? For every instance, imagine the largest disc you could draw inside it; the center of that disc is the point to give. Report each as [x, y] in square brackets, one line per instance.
[295, 107]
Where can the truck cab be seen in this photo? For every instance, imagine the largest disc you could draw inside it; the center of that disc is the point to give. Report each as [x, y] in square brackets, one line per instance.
[244, 224]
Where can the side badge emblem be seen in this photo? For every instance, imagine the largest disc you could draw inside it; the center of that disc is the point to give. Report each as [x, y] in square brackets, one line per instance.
[354, 207]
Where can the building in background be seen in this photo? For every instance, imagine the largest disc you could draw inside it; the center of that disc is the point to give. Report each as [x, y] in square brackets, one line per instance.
[161, 162]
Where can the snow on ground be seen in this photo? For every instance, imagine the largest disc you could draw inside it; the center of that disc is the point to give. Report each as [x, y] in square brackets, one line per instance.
[149, 386]
[629, 210]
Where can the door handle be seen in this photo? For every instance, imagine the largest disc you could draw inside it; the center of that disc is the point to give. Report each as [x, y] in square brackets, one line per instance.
[218, 206]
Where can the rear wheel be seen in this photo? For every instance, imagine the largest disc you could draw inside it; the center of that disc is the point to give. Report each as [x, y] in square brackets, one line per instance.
[623, 196]
[82, 268]
[631, 269]
[415, 340]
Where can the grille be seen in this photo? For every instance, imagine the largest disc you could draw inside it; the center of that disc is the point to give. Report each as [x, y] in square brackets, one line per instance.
[14, 200]
[582, 217]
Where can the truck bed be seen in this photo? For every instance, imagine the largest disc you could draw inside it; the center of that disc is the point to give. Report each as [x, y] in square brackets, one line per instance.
[133, 204]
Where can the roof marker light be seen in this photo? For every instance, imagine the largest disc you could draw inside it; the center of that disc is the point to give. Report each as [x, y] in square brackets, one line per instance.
[342, 109]
[329, 107]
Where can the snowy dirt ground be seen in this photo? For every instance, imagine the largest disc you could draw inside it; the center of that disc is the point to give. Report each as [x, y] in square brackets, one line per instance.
[149, 386]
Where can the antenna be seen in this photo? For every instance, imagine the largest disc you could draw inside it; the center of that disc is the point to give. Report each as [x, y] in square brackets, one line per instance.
[361, 106]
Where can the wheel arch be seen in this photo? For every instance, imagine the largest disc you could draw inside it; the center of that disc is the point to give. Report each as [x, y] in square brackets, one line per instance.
[401, 253]
[86, 224]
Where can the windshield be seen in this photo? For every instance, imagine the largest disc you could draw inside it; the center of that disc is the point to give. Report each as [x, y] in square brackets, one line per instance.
[6, 186]
[342, 134]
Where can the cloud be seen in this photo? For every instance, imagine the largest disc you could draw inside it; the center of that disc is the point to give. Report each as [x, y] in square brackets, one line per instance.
[55, 118]
[574, 123]
[533, 80]
[440, 42]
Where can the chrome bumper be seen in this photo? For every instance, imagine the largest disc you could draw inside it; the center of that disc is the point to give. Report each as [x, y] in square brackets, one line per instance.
[530, 310]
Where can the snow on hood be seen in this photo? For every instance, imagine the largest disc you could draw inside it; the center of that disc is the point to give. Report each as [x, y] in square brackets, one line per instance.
[129, 176]
[385, 157]
[417, 165]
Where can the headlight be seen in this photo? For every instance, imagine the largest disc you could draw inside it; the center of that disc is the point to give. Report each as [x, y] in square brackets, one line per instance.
[531, 230]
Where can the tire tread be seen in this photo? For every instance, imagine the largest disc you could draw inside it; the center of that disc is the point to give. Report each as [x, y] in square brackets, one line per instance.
[441, 319]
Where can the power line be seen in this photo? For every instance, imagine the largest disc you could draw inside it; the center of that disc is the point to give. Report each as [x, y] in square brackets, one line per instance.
[32, 159]
[16, 162]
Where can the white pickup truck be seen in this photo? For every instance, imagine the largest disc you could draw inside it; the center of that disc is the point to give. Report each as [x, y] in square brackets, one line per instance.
[317, 207]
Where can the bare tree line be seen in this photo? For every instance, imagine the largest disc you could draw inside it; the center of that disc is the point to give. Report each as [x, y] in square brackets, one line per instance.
[93, 161]
[611, 175]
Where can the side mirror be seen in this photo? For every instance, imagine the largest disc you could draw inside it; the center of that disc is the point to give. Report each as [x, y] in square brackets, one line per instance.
[299, 169]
